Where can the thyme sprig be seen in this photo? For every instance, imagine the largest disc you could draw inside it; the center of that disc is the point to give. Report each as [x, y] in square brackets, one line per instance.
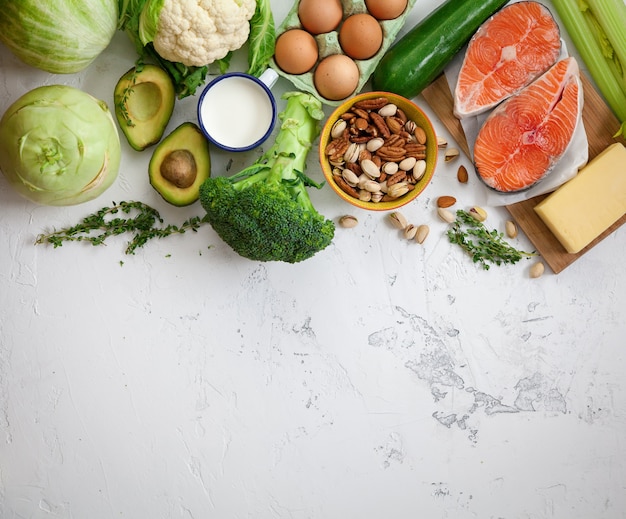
[122, 101]
[143, 221]
[484, 247]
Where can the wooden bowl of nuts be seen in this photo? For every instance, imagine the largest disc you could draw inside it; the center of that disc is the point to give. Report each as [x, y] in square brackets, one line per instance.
[378, 151]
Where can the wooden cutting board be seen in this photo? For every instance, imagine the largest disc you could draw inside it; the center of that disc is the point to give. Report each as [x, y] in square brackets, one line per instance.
[600, 125]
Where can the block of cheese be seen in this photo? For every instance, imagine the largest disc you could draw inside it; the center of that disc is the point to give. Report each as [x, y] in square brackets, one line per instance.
[588, 204]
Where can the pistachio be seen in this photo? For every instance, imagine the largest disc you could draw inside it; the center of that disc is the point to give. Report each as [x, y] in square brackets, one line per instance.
[348, 221]
[451, 154]
[374, 144]
[407, 164]
[511, 229]
[422, 233]
[398, 220]
[362, 179]
[441, 142]
[338, 128]
[365, 195]
[370, 169]
[536, 270]
[350, 177]
[352, 153]
[446, 215]
[419, 169]
[478, 213]
[399, 189]
[389, 110]
[391, 168]
[410, 231]
[371, 185]
[410, 126]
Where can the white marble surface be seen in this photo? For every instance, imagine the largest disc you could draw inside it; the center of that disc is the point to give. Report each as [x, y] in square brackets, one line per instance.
[379, 379]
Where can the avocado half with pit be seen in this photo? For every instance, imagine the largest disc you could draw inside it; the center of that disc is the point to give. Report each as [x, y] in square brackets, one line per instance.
[179, 165]
[144, 102]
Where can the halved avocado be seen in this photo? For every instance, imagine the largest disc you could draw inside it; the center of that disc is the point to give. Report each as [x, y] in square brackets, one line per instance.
[179, 165]
[144, 102]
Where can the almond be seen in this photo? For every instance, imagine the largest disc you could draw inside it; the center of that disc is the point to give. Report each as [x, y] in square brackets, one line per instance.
[446, 201]
[511, 229]
[462, 175]
[537, 270]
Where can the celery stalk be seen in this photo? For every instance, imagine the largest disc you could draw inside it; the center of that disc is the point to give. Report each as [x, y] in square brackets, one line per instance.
[596, 27]
[611, 17]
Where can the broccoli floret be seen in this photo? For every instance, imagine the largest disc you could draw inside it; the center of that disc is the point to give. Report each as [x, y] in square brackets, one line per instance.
[264, 212]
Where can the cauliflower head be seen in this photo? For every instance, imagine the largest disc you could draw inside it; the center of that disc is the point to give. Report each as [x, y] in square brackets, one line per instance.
[199, 32]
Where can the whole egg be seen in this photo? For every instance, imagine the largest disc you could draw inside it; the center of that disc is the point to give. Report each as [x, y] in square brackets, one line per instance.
[385, 9]
[361, 36]
[336, 77]
[320, 16]
[296, 51]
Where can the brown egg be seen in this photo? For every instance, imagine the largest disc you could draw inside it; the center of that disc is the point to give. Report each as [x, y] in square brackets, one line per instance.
[386, 9]
[336, 77]
[360, 36]
[320, 16]
[296, 51]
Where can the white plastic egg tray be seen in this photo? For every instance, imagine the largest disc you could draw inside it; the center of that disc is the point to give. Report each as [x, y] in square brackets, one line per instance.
[328, 44]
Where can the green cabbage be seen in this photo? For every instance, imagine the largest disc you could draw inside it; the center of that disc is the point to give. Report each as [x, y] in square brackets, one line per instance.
[59, 146]
[58, 36]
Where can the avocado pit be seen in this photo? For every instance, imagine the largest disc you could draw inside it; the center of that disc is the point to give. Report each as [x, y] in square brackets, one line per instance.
[179, 167]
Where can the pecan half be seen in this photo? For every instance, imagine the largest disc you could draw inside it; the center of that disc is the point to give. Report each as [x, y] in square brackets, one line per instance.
[396, 177]
[379, 122]
[346, 188]
[372, 104]
[337, 147]
[395, 140]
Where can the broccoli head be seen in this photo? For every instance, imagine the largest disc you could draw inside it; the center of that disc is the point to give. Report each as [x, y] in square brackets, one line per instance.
[264, 212]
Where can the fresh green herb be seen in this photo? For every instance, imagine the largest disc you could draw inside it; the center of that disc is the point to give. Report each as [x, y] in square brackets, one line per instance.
[122, 103]
[597, 30]
[484, 246]
[141, 220]
[262, 40]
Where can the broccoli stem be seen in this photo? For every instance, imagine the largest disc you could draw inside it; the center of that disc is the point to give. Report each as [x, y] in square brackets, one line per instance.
[285, 161]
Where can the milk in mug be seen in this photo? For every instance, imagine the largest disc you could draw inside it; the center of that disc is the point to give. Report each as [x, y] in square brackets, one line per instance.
[237, 112]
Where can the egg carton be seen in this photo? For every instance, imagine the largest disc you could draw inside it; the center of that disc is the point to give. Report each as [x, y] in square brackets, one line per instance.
[328, 44]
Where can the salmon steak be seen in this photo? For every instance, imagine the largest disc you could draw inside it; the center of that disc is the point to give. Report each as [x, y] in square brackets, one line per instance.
[527, 134]
[508, 51]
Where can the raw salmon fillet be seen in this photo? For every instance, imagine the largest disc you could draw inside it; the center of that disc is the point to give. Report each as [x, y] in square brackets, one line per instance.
[527, 134]
[509, 50]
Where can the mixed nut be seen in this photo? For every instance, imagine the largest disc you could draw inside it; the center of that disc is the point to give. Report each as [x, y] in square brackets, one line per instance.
[377, 153]
[409, 231]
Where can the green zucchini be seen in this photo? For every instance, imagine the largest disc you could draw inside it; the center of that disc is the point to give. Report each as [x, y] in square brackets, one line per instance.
[418, 57]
